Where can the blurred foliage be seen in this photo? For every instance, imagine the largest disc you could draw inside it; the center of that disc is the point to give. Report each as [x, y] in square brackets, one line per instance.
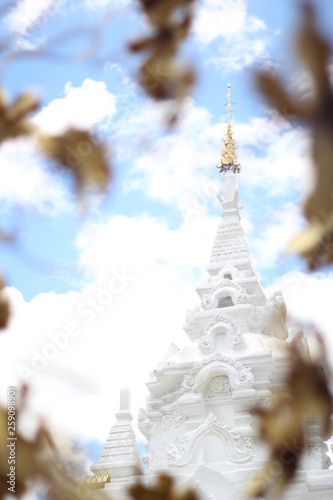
[4, 305]
[161, 75]
[307, 395]
[315, 243]
[79, 152]
[36, 458]
[13, 118]
[305, 399]
[164, 490]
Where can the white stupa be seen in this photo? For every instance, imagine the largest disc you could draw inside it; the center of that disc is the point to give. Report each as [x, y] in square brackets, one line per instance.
[197, 420]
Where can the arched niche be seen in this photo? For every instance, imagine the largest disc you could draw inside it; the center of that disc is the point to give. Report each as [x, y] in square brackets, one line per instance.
[219, 293]
[221, 325]
[229, 272]
[225, 301]
[211, 448]
[212, 432]
[238, 375]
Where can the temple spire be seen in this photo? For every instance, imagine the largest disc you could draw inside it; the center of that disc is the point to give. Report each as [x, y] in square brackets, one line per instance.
[120, 457]
[229, 105]
[229, 159]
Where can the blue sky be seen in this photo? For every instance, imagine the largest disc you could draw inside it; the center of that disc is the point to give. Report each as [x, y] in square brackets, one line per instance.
[159, 220]
[49, 78]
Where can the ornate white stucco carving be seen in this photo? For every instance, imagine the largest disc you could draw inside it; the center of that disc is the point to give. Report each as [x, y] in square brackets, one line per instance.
[219, 387]
[239, 375]
[151, 461]
[189, 315]
[228, 255]
[173, 419]
[275, 313]
[226, 271]
[120, 447]
[221, 322]
[232, 270]
[225, 288]
[277, 304]
[265, 402]
[239, 449]
[229, 229]
[317, 452]
[155, 427]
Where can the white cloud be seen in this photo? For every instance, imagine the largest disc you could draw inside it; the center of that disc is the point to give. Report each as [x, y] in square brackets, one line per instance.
[241, 35]
[274, 155]
[126, 338]
[180, 169]
[26, 182]
[178, 163]
[271, 240]
[176, 167]
[153, 241]
[224, 19]
[29, 15]
[308, 299]
[82, 107]
[97, 4]
[181, 166]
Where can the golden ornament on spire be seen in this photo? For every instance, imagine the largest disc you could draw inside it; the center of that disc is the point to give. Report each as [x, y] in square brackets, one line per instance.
[229, 159]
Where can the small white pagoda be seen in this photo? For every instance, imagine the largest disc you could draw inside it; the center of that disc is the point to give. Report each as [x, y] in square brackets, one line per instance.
[197, 421]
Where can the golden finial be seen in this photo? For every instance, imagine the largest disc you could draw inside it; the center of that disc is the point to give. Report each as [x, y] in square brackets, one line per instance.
[229, 160]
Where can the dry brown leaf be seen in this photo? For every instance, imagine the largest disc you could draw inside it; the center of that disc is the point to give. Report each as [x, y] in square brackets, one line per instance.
[4, 306]
[167, 80]
[274, 91]
[33, 459]
[162, 13]
[161, 76]
[315, 243]
[313, 48]
[306, 399]
[163, 490]
[78, 152]
[30, 462]
[13, 117]
[4, 312]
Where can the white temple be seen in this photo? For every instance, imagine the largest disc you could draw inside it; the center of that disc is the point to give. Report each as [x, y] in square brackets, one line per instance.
[197, 420]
